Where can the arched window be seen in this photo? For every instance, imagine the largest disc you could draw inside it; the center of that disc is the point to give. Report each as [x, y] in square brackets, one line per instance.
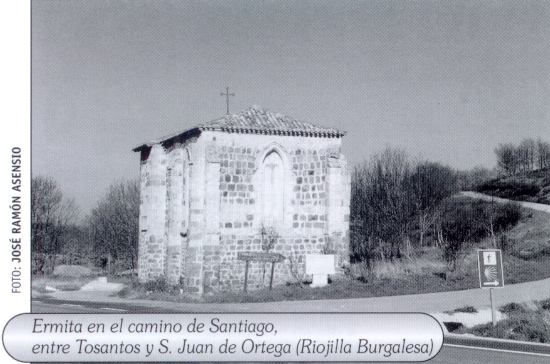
[272, 190]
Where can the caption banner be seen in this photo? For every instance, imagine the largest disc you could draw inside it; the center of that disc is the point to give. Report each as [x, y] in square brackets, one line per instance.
[223, 337]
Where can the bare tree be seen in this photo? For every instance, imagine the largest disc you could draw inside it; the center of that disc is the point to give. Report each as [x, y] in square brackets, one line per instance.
[543, 154]
[527, 156]
[526, 150]
[113, 225]
[269, 237]
[507, 158]
[490, 216]
[76, 247]
[391, 197]
[474, 178]
[381, 206]
[431, 183]
[51, 217]
[459, 229]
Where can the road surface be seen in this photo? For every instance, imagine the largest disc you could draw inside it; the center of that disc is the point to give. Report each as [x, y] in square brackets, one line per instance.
[456, 348]
[428, 303]
[529, 205]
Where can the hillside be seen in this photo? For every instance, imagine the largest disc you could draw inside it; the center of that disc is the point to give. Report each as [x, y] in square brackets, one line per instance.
[533, 186]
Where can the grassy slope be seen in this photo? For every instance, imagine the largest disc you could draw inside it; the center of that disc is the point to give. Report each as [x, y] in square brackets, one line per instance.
[530, 255]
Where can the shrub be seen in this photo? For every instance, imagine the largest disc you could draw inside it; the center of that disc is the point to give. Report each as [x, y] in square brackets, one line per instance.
[466, 309]
[512, 307]
[545, 304]
[465, 222]
[524, 326]
[159, 285]
[508, 189]
[507, 215]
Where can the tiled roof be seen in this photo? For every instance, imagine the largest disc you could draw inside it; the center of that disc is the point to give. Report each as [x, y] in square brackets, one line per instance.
[256, 120]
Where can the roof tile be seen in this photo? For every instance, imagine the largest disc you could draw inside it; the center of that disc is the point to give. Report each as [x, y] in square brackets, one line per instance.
[256, 119]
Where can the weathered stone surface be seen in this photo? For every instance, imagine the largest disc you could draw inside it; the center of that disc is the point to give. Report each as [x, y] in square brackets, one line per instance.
[207, 194]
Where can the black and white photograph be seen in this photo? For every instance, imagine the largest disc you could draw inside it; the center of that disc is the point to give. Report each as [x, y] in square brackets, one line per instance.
[260, 180]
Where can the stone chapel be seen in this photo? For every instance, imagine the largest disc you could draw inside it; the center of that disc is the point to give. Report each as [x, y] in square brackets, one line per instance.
[212, 191]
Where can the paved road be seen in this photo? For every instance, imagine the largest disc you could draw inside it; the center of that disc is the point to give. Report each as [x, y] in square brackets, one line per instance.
[428, 303]
[451, 353]
[454, 350]
[529, 205]
[55, 306]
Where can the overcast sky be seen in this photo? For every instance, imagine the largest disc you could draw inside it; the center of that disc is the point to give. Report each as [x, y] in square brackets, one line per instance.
[445, 80]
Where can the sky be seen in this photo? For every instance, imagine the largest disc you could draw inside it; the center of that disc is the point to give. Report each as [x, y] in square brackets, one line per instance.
[445, 80]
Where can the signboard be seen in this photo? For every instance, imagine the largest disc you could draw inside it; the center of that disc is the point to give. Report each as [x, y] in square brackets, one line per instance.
[320, 264]
[260, 257]
[490, 268]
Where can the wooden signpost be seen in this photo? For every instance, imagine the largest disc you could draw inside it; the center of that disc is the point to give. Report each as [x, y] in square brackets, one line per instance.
[490, 273]
[260, 257]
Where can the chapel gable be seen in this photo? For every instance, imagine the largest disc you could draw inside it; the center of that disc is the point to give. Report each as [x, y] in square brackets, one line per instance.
[215, 190]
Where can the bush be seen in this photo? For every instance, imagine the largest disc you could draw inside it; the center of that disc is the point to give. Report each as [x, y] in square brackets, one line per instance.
[507, 215]
[159, 285]
[466, 309]
[509, 189]
[465, 222]
[524, 326]
[390, 196]
[512, 307]
[545, 304]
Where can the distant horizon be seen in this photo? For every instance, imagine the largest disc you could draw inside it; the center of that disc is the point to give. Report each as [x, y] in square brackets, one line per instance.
[445, 81]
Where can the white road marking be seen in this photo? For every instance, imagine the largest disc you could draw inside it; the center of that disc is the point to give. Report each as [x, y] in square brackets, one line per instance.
[500, 350]
[70, 305]
[113, 309]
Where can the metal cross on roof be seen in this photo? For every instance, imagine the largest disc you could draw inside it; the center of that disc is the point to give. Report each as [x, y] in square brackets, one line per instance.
[227, 94]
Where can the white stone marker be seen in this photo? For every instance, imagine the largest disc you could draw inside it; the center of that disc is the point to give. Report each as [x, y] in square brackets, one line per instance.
[320, 266]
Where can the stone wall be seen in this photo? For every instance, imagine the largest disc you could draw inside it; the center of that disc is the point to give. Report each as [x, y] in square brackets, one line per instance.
[306, 227]
[231, 272]
[202, 204]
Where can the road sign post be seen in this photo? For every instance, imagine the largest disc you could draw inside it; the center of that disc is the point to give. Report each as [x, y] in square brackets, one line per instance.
[490, 273]
[493, 310]
[259, 257]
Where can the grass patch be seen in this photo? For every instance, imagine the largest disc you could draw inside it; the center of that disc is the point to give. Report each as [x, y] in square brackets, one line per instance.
[524, 323]
[346, 287]
[400, 277]
[416, 266]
